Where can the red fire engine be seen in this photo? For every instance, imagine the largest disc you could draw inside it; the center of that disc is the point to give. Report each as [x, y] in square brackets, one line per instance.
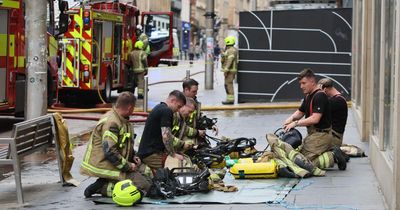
[94, 51]
[12, 55]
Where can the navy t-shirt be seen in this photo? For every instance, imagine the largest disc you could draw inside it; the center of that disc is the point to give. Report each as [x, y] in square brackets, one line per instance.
[320, 104]
[151, 142]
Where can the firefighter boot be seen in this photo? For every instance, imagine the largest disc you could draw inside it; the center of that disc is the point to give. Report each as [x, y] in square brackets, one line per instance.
[339, 158]
[286, 173]
[95, 187]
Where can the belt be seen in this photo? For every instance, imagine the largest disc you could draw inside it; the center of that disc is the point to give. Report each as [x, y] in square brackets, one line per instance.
[322, 130]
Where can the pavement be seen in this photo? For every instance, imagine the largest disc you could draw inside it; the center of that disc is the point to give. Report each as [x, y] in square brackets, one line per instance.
[354, 188]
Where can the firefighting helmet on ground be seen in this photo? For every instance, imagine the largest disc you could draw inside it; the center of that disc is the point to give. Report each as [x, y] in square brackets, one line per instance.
[230, 41]
[125, 193]
[139, 45]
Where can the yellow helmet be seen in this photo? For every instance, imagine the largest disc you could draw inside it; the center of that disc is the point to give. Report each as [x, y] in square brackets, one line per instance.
[230, 40]
[125, 193]
[139, 45]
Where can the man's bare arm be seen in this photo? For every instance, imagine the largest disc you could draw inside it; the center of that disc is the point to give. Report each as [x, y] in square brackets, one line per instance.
[168, 139]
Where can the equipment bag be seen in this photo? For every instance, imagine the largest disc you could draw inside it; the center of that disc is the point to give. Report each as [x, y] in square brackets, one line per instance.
[250, 170]
[192, 180]
[292, 137]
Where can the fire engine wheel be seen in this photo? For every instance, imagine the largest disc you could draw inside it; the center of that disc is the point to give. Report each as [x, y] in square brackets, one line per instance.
[107, 90]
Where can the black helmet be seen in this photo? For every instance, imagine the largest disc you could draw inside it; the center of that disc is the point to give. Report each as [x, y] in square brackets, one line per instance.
[292, 137]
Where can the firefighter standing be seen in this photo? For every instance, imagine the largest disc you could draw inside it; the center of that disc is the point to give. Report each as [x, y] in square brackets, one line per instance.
[229, 60]
[138, 59]
[144, 38]
[110, 155]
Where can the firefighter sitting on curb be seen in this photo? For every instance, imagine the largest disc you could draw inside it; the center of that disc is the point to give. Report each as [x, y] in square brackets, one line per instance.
[110, 155]
[317, 146]
[229, 60]
[138, 59]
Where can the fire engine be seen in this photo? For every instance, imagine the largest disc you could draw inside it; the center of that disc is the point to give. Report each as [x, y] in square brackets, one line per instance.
[95, 49]
[12, 55]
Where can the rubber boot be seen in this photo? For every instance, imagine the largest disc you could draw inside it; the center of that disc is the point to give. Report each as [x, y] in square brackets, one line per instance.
[339, 158]
[95, 187]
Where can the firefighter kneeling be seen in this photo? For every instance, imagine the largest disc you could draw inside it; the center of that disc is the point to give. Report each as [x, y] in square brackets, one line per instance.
[110, 155]
[138, 59]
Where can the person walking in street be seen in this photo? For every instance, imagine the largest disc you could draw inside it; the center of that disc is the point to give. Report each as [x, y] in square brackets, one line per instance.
[191, 53]
[338, 109]
[317, 146]
[197, 51]
[157, 139]
[229, 60]
[110, 155]
[138, 59]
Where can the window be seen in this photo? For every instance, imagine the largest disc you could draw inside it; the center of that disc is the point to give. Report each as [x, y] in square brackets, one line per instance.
[359, 32]
[389, 77]
[376, 66]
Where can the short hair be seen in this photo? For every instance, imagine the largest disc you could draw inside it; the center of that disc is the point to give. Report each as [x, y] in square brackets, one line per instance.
[307, 72]
[325, 83]
[124, 99]
[188, 83]
[190, 101]
[178, 95]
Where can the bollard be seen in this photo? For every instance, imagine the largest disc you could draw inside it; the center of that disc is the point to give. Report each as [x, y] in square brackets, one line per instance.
[146, 93]
[187, 74]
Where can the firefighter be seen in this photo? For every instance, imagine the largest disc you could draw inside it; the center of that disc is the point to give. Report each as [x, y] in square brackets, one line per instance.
[317, 146]
[338, 109]
[190, 88]
[138, 58]
[180, 127]
[110, 155]
[229, 59]
[144, 38]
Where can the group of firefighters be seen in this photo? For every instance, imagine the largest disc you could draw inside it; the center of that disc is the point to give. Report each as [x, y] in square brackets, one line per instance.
[171, 129]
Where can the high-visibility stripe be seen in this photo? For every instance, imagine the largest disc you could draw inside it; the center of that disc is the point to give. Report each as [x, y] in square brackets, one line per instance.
[326, 159]
[111, 135]
[107, 16]
[21, 61]
[102, 120]
[110, 188]
[11, 4]
[89, 150]
[100, 171]
[3, 43]
[52, 46]
[321, 161]
[123, 162]
[107, 46]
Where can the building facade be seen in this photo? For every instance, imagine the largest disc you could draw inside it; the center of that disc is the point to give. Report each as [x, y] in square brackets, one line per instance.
[376, 88]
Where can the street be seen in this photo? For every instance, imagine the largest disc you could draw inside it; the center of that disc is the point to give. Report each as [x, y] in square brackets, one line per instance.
[355, 188]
